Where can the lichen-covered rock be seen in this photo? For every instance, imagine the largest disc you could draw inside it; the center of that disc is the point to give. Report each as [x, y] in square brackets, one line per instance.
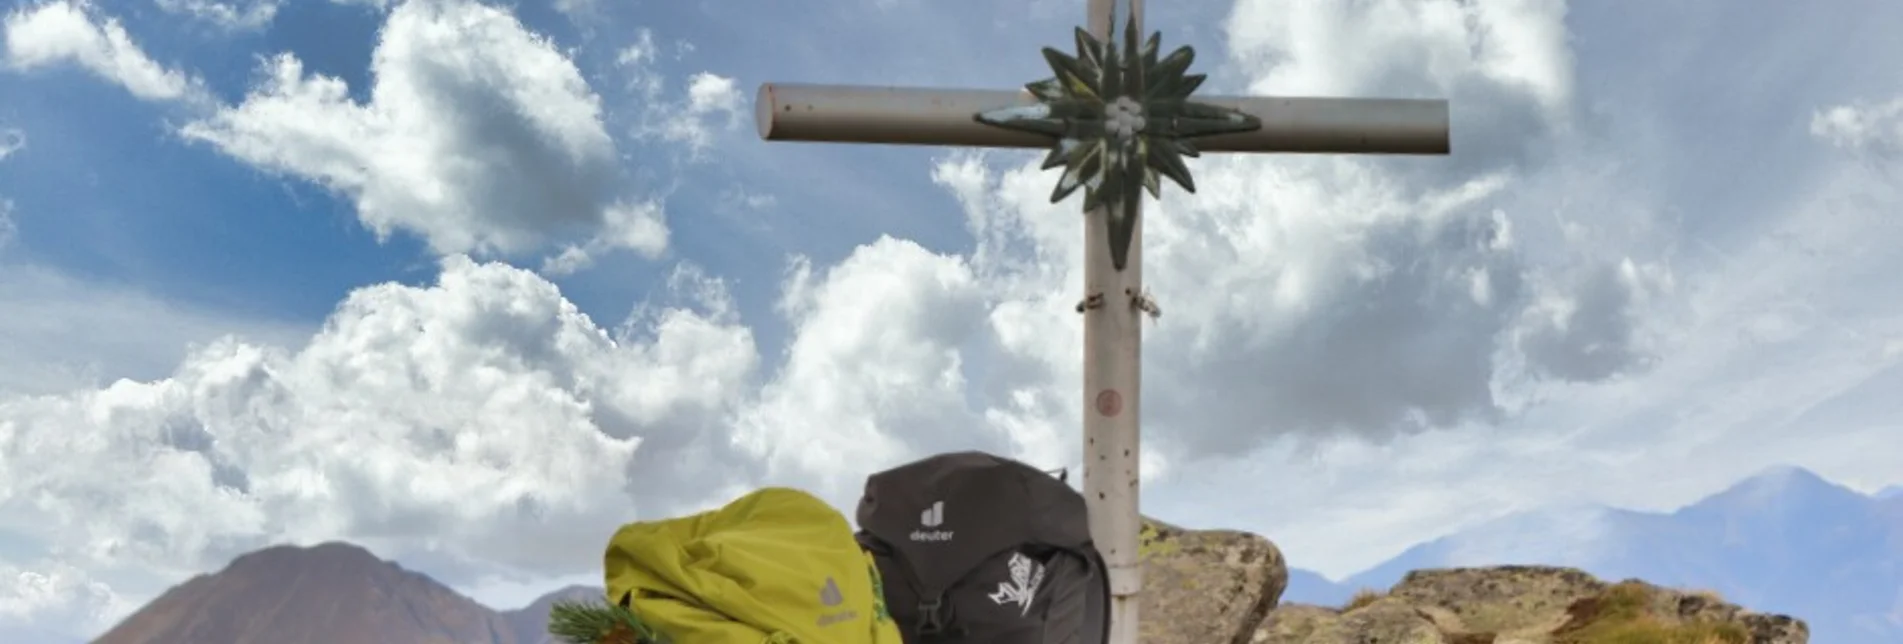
[1504, 600]
[1294, 624]
[1222, 587]
[1775, 629]
[1387, 620]
[1207, 586]
[1527, 605]
[1683, 606]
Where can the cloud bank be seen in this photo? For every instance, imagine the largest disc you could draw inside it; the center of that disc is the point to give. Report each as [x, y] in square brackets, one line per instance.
[1361, 353]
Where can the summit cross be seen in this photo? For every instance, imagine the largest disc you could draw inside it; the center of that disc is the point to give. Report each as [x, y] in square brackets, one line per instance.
[1117, 116]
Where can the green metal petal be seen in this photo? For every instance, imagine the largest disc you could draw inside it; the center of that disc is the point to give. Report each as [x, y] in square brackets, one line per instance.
[1131, 39]
[1025, 118]
[1151, 183]
[1049, 89]
[1133, 59]
[1085, 160]
[1122, 229]
[1165, 160]
[1057, 156]
[1072, 75]
[1089, 49]
[1168, 90]
[1111, 83]
[1076, 150]
[1173, 65]
[1188, 85]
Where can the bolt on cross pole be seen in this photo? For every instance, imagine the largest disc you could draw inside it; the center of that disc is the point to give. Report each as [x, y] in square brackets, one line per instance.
[1117, 117]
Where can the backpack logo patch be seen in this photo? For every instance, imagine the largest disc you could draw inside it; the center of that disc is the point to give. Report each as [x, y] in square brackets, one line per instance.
[830, 596]
[1026, 576]
[932, 517]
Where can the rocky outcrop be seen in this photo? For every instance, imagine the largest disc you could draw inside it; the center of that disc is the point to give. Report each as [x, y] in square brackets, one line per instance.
[1206, 586]
[1223, 586]
[1504, 600]
[1526, 605]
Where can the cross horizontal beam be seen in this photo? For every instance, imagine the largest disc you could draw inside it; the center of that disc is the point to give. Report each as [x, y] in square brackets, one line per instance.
[923, 116]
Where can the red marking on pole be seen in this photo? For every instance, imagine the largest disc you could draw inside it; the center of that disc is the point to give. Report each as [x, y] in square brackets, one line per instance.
[1109, 403]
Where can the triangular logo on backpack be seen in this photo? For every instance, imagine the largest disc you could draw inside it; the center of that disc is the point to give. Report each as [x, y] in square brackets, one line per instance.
[830, 595]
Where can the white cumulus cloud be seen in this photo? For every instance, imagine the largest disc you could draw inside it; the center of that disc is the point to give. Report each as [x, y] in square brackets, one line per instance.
[68, 32]
[479, 136]
[711, 103]
[239, 16]
[61, 596]
[481, 418]
[1873, 127]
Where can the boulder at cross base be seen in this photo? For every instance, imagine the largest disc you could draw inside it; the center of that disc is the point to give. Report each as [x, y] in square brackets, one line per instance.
[1206, 586]
[1526, 605]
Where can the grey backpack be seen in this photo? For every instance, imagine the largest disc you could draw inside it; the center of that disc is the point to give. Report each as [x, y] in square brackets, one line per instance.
[980, 549]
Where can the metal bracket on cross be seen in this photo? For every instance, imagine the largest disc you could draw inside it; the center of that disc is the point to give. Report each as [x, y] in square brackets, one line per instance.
[1115, 116]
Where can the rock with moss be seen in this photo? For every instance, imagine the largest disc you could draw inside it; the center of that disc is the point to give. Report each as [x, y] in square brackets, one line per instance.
[1387, 620]
[1295, 623]
[1503, 599]
[1527, 605]
[1206, 586]
[1632, 610]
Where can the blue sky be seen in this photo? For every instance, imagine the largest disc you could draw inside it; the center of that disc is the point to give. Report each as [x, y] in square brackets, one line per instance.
[1664, 238]
[187, 225]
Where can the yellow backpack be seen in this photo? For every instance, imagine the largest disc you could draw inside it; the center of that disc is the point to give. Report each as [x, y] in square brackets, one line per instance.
[776, 566]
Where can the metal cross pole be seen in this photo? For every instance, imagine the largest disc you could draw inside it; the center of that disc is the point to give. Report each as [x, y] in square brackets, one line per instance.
[1117, 116]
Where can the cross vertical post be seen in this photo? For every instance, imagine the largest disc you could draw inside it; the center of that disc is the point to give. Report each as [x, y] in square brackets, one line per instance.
[1113, 364]
[1118, 118]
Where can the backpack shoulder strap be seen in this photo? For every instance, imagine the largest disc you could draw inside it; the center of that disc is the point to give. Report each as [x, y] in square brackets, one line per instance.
[1096, 617]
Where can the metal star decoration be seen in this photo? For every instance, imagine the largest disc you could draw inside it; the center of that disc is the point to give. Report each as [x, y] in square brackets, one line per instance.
[1120, 116]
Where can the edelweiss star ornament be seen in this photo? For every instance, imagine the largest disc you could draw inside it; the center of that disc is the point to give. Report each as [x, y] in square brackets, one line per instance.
[1120, 117]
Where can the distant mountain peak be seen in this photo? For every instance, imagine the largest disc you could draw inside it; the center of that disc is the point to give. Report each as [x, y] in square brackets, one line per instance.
[1891, 492]
[331, 592]
[1781, 485]
[333, 555]
[1785, 475]
[327, 549]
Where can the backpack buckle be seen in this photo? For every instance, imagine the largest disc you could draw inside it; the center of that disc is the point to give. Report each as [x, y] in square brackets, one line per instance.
[930, 622]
